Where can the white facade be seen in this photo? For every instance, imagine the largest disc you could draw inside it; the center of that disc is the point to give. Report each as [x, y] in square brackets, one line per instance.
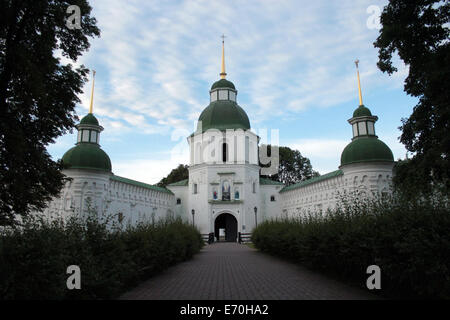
[224, 192]
[123, 200]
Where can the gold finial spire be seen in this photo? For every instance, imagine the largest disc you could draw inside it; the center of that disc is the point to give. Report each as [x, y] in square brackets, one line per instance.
[223, 74]
[92, 92]
[359, 84]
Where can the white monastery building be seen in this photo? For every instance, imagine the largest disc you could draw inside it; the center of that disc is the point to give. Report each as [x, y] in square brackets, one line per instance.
[224, 192]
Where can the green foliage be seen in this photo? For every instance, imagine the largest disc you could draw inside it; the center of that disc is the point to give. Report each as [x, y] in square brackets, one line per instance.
[38, 95]
[418, 31]
[34, 259]
[409, 241]
[179, 173]
[292, 168]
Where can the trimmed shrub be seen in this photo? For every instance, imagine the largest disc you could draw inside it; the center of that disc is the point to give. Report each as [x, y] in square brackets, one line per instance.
[408, 240]
[34, 258]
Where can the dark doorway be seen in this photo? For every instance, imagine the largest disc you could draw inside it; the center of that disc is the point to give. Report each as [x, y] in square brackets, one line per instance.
[229, 223]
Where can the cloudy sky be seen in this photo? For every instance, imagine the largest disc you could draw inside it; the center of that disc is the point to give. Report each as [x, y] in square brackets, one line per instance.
[292, 63]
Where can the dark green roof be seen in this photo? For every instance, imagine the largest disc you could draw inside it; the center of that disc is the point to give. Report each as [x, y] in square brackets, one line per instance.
[179, 183]
[313, 180]
[264, 181]
[362, 111]
[222, 115]
[89, 119]
[140, 184]
[366, 149]
[87, 156]
[223, 83]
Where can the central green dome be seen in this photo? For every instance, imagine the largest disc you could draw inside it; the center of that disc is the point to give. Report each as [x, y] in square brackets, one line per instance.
[87, 156]
[222, 115]
[366, 149]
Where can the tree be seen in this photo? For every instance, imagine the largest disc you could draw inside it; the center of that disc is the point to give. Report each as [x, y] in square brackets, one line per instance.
[293, 167]
[179, 173]
[38, 95]
[418, 31]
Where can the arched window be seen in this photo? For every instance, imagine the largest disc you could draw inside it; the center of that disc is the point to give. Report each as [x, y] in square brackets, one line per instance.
[178, 201]
[272, 198]
[224, 152]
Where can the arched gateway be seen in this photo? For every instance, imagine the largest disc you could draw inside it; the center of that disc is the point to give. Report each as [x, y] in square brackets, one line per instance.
[227, 222]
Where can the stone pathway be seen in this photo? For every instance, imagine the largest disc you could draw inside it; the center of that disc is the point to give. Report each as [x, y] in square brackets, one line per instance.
[231, 271]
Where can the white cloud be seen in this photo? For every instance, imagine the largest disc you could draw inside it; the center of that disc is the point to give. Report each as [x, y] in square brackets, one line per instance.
[325, 154]
[320, 148]
[156, 61]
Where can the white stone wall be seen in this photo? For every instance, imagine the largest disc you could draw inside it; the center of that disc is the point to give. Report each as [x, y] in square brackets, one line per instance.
[367, 179]
[270, 209]
[109, 197]
[321, 195]
[139, 204]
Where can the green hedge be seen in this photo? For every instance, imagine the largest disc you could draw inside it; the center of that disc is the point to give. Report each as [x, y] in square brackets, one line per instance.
[34, 259]
[409, 241]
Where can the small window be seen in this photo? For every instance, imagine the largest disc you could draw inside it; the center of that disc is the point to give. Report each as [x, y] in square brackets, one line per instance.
[94, 136]
[355, 130]
[195, 188]
[120, 217]
[370, 128]
[236, 195]
[272, 198]
[232, 96]
[223, 94]
[362, 128]
[178, 201]
[85, 135]
[213, 96]
[254, 187]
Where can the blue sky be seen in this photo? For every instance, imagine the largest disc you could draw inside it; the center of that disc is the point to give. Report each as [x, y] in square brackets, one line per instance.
[292, 63]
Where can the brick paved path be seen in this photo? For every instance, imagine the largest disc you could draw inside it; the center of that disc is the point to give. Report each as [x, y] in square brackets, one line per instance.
[233, 271]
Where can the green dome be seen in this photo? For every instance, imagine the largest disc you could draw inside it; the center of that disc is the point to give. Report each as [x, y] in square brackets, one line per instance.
[89, 119]
[223, 83]
[222, 115]
[87, 156]
[366, 149]
[362, 111]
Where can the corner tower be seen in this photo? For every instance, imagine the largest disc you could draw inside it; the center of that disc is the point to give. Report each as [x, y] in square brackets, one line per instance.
[87, 153]
[88, 166]
[367, 161]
